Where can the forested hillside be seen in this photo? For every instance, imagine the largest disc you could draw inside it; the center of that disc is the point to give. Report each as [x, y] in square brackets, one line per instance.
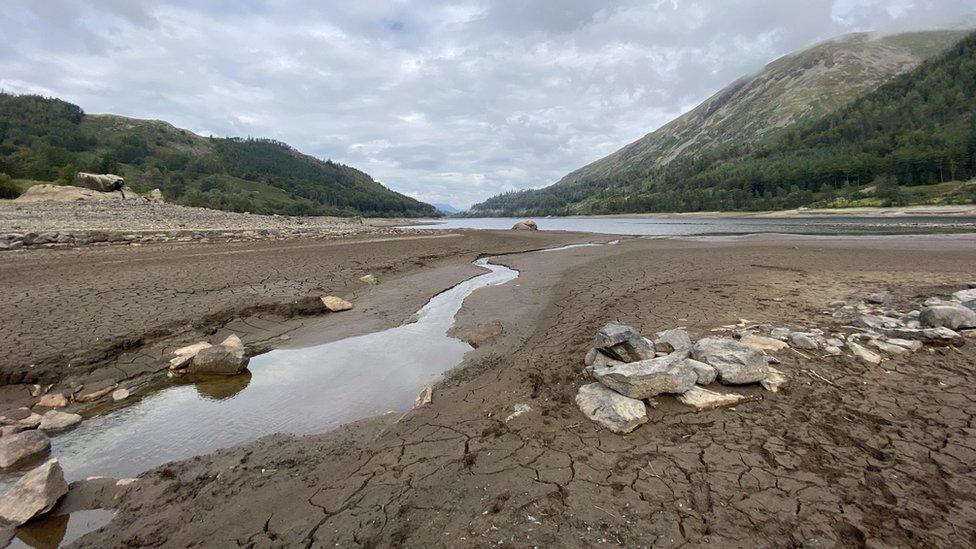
[884, 148]
[49, 140]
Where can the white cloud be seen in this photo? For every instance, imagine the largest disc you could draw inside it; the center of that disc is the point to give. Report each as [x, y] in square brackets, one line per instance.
[445, 101]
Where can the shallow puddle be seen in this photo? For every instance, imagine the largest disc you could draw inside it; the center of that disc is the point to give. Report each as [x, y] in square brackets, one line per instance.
[297, 391]
[54, 531]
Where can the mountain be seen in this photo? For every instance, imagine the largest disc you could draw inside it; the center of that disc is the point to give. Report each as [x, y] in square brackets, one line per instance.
[48, 139]
[446, 208]
[792, 90]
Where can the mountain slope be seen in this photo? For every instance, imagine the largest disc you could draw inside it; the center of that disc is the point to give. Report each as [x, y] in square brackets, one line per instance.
[791, 90]
[49, 139]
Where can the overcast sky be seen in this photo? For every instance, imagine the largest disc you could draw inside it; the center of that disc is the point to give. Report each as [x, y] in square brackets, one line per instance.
[444, 101]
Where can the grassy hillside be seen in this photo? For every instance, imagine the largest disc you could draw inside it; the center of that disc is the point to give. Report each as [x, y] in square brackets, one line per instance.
[796, 90]
[48, 140]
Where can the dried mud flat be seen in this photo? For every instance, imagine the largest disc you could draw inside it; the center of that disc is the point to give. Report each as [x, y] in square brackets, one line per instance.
[855, 455]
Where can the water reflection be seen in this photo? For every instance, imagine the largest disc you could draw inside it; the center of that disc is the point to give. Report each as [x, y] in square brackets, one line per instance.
[297, 391]
[50, 532]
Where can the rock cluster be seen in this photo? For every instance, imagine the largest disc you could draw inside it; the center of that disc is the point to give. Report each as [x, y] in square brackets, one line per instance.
[629, 369]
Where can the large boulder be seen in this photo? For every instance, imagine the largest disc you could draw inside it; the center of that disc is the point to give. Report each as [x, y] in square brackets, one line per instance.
[105, 183]
[954, 317]
[228, 358]
[647, 378]
[735, 362]
[674, 340]
[34, 494]
[611, 409]
[23, 446]
[623, 343]
[527, 225]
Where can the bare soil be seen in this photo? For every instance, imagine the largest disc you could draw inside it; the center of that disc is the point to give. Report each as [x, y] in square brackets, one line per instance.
[848, 455]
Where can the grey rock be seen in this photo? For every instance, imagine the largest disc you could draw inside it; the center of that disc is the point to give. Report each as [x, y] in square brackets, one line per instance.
[527, 225]
[610, 409]
[706, 374]
[780, 333]
[954, 317]
[54, 420]
[774, 380]
[930, 336]
[647, 378]
[876, 322]
[228, 358]
[964, 295]
[736, 363]
[879, 298]
[865, 354]
[672, 340]
[595, 358]
[623, 343]
[801, 340]
[23, 446]
[935, 301]
[34, 494]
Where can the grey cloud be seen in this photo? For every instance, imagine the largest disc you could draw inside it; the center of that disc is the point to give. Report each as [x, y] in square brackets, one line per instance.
[445, 101]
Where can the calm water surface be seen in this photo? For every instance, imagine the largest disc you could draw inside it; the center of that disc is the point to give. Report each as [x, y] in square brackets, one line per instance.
[661, 226]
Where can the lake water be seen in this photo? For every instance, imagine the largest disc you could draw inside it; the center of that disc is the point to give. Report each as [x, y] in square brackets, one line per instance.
[671, 226]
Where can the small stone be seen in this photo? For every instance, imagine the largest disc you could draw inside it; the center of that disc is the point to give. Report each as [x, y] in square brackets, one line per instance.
[864, 354]
[228, 358]
[910, 344]
[425, 397]
[369, 279]
[889, 348]
[774, 380]
[703, 400]
[781, 333]
[876, 322]
[610, 409]
[34, 494]
[335, 304]
[930, 336]
[54, 420]
[879, 298]
[762, 343]
[53, 400]
[833, 350]
[22, 446]
[518, 410]
[801, 340]
[184, 355]
[96, 395]
[119, 395]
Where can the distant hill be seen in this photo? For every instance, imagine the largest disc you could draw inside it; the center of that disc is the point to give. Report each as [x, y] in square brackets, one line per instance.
[446, 208]
[49, 139]
[794, 90]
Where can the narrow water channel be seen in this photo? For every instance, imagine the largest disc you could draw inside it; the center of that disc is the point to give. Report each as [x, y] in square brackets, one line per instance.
[296, 391]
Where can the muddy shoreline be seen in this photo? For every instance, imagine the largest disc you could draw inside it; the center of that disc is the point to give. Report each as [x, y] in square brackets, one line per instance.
[455, 472]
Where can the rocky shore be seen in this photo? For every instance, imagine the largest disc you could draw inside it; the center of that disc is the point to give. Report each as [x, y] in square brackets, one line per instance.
[136, 222]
